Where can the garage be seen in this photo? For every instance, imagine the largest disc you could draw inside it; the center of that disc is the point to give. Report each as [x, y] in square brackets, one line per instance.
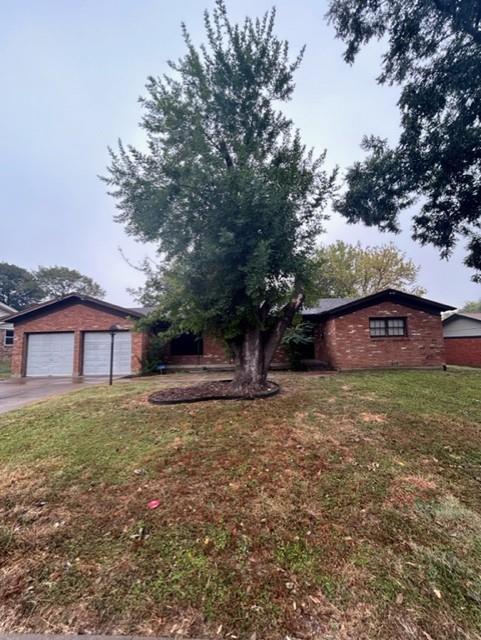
[96, 354]
[71, 336]
[50, 354]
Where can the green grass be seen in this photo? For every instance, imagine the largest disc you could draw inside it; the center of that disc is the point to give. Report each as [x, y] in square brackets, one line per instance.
[4, 369]
[346, 507]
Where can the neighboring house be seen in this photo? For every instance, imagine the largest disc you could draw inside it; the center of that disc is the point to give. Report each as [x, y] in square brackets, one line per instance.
[70, 336]
[462, 339]
[6, 333]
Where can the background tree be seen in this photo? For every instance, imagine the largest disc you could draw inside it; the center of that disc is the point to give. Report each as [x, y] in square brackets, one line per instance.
[227, 190]
[56, 282]
[434, 54]
[18, 287]
[350, 270]
[473, 306]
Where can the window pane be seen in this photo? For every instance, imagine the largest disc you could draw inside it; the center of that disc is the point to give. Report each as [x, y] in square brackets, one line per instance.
[396, 326]
[187, 344]
[8, 340]
[377, 327]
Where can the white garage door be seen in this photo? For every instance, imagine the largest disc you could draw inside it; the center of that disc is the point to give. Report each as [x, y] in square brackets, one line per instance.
[50, 354]
[97, 353]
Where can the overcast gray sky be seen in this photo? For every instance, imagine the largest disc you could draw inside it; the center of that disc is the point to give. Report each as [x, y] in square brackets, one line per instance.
[71, 72]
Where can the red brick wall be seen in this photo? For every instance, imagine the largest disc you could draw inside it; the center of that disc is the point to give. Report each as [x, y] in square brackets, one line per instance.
[347, 343]
[213, 353]
[78, 317]
[463, 351]
[5, 352]
[323, 341]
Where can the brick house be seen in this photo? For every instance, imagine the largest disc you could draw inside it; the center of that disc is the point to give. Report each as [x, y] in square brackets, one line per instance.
[6, 333]
[72, 336]
[383, 330]
[462, 339]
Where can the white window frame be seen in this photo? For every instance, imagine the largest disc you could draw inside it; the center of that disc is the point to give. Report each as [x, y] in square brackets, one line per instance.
[8, 337]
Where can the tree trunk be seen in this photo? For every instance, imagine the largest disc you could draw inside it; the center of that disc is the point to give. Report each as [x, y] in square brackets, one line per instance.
[254, 352]
[250, 372]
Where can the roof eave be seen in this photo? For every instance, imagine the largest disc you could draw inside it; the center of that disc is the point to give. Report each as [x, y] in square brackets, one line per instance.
[453, 316]
[380, 296]
[71, 296]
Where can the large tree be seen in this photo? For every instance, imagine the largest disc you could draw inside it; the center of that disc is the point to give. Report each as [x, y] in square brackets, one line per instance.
[350, 270]
[56, 282]
[227, 191]
[434, 54]
[18, 287]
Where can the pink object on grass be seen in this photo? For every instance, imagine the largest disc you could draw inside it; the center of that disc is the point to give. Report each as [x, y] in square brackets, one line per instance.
[153, 504]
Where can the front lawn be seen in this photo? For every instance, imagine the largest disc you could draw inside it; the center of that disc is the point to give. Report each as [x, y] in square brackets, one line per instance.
[348, 507]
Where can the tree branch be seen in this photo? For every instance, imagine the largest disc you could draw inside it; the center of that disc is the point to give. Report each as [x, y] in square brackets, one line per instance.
[283, 323]
[449, 10]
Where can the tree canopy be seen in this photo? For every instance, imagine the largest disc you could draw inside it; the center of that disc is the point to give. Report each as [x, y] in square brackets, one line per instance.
[226, 189]
[434, 54]
[56, 282]
[472, 306]
[18, 286]
[350, 270]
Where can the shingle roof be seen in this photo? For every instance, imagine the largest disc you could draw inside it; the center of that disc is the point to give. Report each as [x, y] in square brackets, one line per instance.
[71, 297]
[327, 304]
[340, 306]
[144, 311]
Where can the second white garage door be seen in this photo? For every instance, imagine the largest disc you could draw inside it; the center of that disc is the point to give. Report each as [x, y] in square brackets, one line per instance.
[50, 354]
[96, 360]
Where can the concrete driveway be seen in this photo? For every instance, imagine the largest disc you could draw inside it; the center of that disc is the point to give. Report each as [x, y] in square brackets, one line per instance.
[19, 392]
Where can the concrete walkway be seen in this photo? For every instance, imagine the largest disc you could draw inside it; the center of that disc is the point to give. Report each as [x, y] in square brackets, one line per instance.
[19, 392]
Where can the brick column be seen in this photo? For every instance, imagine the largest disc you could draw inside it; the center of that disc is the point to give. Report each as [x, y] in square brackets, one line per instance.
[77, 353]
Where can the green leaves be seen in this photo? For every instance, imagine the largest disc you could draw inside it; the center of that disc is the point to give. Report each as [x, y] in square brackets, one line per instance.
[434, 54]
[347, 270]
[56, 282]
[18, 287]
[226, 189]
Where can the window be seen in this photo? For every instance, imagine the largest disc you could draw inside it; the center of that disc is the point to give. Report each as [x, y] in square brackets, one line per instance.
[8, 338]
[187, 344]
[387, 327]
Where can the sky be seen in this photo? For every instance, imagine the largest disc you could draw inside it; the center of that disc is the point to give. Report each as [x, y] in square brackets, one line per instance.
[71, 72]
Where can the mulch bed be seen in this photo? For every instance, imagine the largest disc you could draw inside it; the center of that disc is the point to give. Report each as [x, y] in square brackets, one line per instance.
[215, 390]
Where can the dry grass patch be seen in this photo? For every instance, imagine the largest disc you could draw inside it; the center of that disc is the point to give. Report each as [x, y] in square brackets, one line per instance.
[305, 515]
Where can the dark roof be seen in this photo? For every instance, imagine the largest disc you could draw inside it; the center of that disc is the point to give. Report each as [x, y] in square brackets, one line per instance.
[327, 304]
[142, 311]
[73, 297]
[327, 307]
[462, 314]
